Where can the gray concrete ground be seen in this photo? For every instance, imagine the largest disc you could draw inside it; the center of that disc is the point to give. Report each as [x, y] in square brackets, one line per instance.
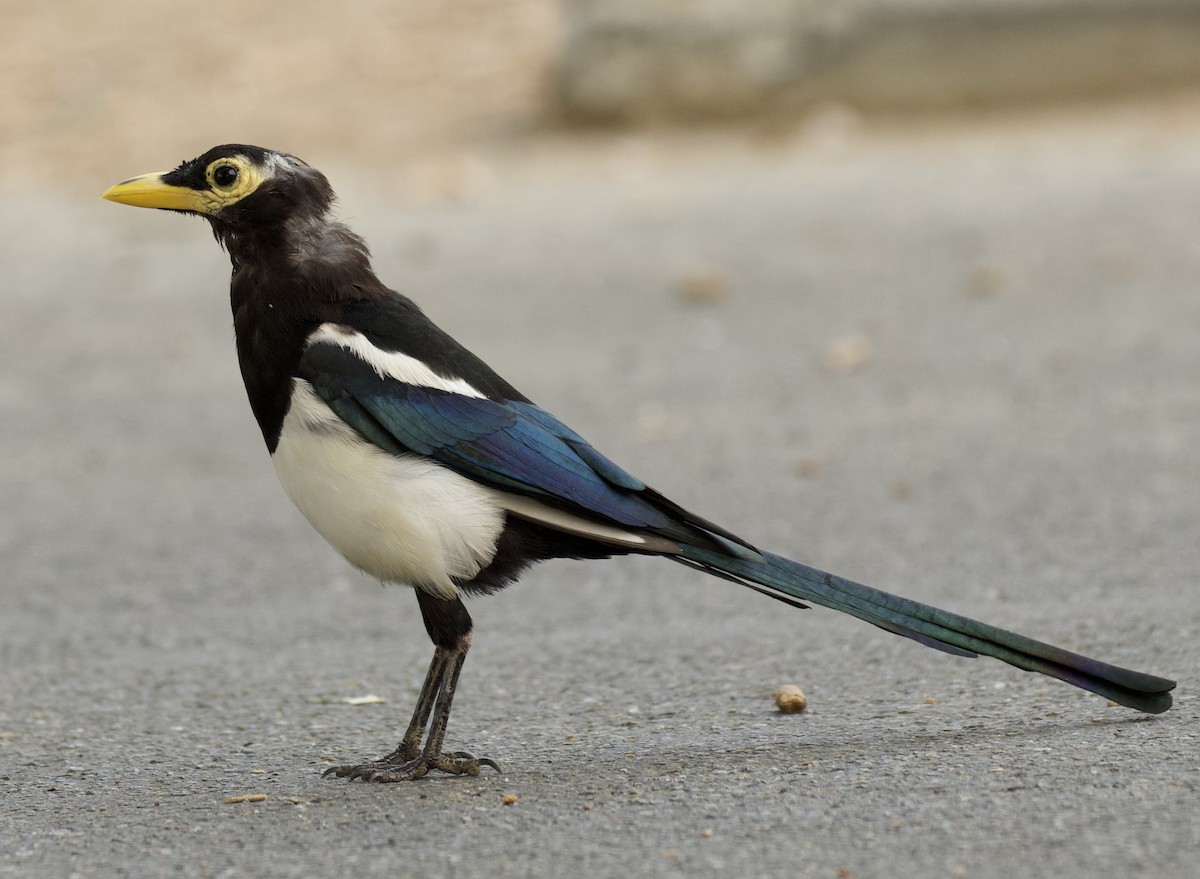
[958, 364]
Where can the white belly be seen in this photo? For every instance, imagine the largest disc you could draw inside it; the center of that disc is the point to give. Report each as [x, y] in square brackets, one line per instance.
[402, 519]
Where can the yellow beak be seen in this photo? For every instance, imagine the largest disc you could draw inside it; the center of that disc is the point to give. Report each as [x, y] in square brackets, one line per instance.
[149, 191]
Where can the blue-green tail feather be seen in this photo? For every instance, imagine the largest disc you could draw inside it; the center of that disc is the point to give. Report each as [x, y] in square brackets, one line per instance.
[936, 628]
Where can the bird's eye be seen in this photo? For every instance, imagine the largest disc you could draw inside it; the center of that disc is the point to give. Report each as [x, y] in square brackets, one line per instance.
[225, 176]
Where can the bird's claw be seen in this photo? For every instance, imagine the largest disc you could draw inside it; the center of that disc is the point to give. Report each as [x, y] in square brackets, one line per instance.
[386, 771]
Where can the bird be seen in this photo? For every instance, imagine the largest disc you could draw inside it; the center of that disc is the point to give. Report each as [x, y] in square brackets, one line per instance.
[423, 467]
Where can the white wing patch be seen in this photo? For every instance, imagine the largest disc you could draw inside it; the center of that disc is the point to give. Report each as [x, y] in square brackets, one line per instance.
[401, 518]
[390, 364]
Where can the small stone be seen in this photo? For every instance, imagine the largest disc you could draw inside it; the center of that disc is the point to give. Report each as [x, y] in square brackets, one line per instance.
[848, 354]
[984, 282]
[790, 699]
[806, 468]
[705, 288]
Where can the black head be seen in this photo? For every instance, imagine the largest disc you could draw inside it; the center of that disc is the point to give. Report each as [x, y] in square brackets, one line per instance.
[236, 187]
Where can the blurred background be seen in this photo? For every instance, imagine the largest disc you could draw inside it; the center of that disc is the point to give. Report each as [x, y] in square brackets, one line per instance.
[415, 90]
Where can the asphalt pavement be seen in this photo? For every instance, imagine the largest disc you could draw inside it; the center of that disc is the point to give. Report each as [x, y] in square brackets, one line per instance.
[958, 363]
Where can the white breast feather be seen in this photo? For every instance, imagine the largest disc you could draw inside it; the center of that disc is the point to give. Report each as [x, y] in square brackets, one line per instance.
[399, 518]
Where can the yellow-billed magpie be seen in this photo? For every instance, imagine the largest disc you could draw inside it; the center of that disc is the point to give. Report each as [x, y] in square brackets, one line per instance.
[422, 466]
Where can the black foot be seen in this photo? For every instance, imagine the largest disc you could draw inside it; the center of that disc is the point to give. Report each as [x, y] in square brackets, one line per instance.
[384, 771]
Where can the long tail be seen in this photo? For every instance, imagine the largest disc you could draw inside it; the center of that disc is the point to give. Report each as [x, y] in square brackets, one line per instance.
[794, 582]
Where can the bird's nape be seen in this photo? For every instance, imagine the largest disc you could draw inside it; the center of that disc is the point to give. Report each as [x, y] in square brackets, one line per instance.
[422, 466]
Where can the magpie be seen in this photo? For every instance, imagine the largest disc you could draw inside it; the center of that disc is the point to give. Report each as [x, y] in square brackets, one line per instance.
[423, 467]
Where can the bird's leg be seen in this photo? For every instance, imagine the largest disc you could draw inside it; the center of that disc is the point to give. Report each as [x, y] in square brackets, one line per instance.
[458, 762]
[410, 745]
[449, 625]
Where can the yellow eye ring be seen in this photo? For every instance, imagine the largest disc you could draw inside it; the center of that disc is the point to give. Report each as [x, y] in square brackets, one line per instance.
[231, 178]
[223, 175]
